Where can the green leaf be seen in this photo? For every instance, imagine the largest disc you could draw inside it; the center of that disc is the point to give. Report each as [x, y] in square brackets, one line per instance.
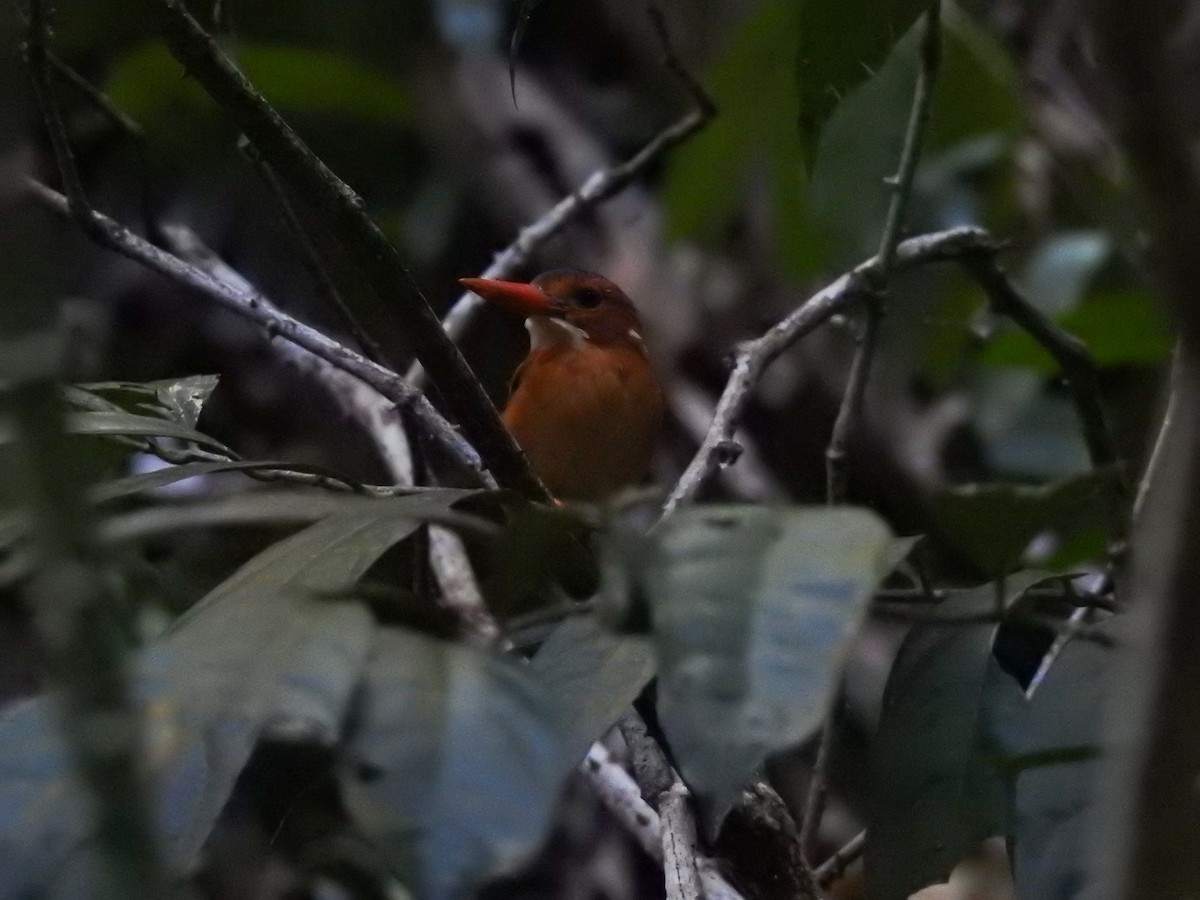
[753, 608]
[934, 796]
[455, 762]
[149, 85]
[842, 43]
[1055, 802]
[1118, 327]
[593, 675]
[706, 177]
[289, 506]
[259, 655]
[992, 524]
[117, 422]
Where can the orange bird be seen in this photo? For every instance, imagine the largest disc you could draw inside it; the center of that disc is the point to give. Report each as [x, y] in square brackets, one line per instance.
[585, 405]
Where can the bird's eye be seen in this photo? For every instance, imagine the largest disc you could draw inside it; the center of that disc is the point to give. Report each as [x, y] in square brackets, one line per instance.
[588, 298]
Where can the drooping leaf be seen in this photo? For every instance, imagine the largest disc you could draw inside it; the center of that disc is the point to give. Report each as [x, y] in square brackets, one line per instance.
[753, 608]
[261, 655]
[992, 524]
[455, 762]
[842, 43]
[1052, 749]
[593, 675]
[934, 795]
[120, 423]
[285, 507]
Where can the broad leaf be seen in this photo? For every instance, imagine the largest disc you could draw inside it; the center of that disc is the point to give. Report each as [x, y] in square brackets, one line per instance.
[934, 794]
[992, 524]
[116, 423]
[753, 609]
[842, 42]
[1051, 748]
[455, 762]
[178, 399]
[260, 655]
[593, 676]
[285, 507]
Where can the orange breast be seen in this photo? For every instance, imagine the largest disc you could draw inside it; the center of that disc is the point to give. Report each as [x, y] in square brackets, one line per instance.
[587, 416]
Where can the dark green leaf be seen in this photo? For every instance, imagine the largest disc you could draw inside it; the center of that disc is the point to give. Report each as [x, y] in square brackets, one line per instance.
[753, 608]
[1054, 801]
[992, 524]
[593, 675]
[455, 762]
[934, 796]
[177, 399]
[842, 43]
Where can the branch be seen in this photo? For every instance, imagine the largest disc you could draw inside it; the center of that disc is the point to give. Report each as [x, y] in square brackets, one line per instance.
[598, 187]
[1071, 354]
[832, 869]
[311, 259]
[852, 400]
[753, 357]
[879, 277]
[255, 307]
[346, 217]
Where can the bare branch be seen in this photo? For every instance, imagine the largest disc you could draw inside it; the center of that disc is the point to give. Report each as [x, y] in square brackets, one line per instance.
[831, 870]
[346, 217]
[752, 358]
[257, 308]
[310, 257]
[679, 844]
[851, 405]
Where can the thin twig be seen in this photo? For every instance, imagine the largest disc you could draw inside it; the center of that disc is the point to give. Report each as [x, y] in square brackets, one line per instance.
[879, 278]
[679, 844]
[832, 869]
[910, 154]
[753, 357]
[1154, 464]
[345, 216]
[599, 186]
[852, 400]
[818, 790]
[257, 308]
[310, 257]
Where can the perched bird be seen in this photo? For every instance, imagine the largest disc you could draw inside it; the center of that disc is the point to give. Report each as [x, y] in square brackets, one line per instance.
[584, 405]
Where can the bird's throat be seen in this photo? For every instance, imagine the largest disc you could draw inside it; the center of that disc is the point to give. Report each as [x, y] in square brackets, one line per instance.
[546, 332]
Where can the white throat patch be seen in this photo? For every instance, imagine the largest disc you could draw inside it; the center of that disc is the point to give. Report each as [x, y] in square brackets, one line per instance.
[547, 332]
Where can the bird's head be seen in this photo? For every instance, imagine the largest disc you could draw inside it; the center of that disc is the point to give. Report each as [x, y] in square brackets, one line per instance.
[566, 305]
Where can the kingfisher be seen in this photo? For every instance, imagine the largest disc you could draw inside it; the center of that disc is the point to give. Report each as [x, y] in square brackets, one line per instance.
[584, 405]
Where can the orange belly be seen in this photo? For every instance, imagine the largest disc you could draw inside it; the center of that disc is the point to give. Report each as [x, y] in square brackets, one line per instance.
[588, 418]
